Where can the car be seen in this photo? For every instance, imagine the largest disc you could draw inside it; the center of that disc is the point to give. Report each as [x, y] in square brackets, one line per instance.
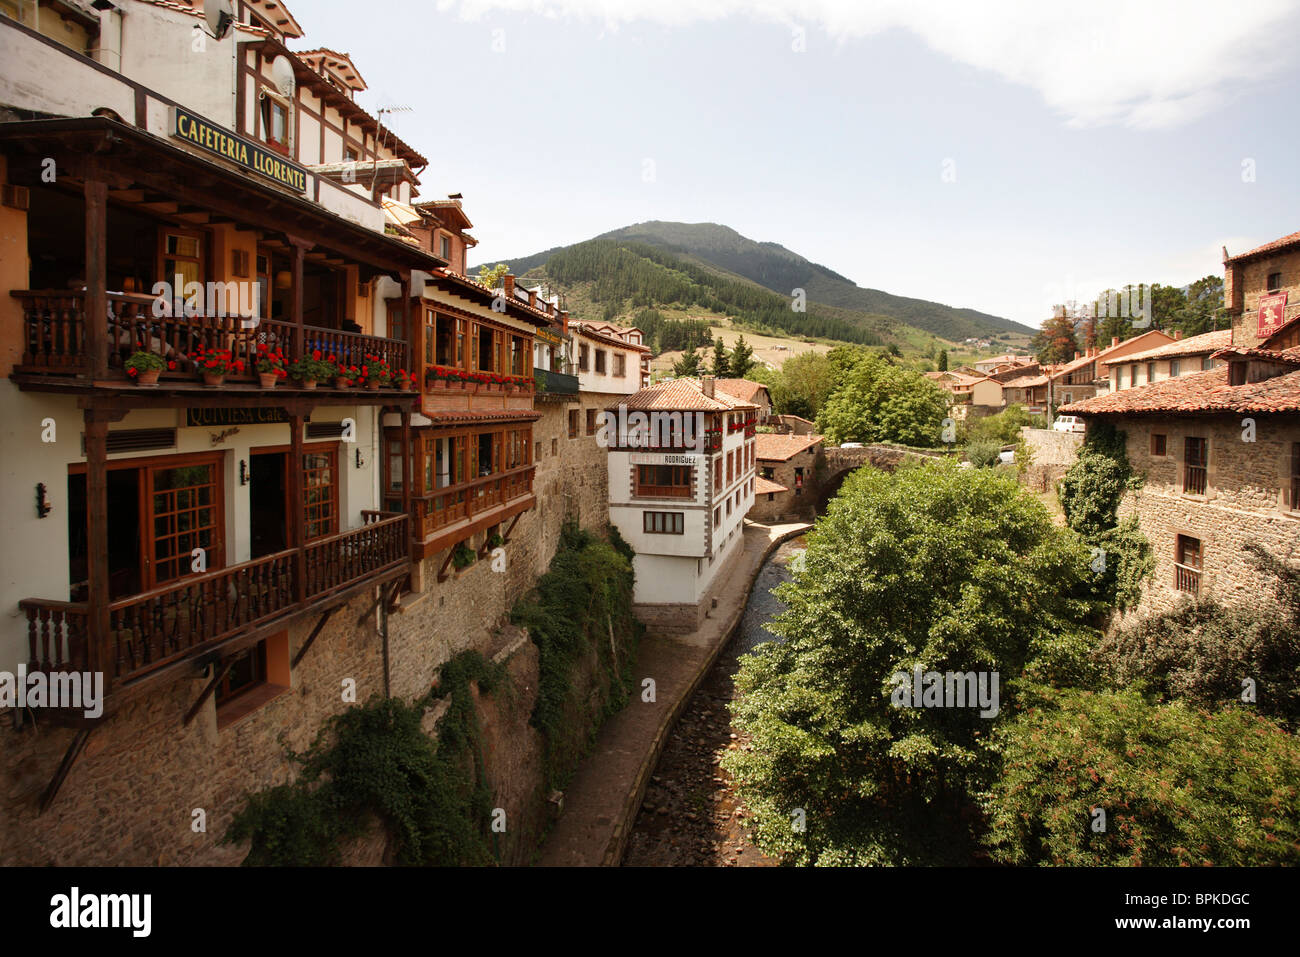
[851, 445]
[1069, 423]
[1007, 457]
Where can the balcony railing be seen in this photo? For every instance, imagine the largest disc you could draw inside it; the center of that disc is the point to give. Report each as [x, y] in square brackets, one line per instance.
[455, 503]
[1187, 578]
[55, 337]
[180, 620]
[1194, 479]
[555, 383]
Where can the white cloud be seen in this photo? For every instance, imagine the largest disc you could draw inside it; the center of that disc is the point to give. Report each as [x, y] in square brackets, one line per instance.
[1147, 64]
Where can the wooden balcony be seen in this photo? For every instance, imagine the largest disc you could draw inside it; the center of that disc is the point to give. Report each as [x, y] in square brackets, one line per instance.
[151, 634]
[56, 340]
[455, 512]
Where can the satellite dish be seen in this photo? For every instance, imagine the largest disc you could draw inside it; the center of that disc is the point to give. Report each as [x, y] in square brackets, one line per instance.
[282, 74]
[220, 16]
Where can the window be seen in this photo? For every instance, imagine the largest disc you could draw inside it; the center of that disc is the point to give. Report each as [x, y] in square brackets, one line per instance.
[320, 492]
[1237, 373]
[582, 357]
[275, 123]
[663, 523]
[717, 515]
[1151, 372]
[768, 472]
[1274, 281]
[555, 446]
[1174, 368]
[252, 677]
[1195, 460]
[620, 365]
[1187, 564]
[182, 254]
[444, 247]
[1295, 476]
[665, 481]
[1157, 444]
[591, 421]
[573, 423]
[1207, 363]
[600, 361]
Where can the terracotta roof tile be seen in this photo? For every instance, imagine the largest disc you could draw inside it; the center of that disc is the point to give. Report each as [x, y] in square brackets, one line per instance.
[1200, 392]
[777, 447]
[1025, 382]
[1274, 246]
[1191, 346]
[740, 388]
[764, 486]
[684, 395]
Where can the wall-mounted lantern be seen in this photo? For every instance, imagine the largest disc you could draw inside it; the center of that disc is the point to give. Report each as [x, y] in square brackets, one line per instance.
[361, 459]
[243, 471]
[43, 506]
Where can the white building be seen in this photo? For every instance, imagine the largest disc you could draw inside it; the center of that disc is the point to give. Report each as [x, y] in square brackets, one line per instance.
[681, 478]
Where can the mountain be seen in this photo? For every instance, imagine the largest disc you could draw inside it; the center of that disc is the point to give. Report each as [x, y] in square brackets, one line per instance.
[780, 270]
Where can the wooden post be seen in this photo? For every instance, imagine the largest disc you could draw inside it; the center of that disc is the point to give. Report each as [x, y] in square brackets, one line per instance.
[99, 649]
[299, 334]
[96, 301]
[297, 504]
[407, 469]
[405, 275]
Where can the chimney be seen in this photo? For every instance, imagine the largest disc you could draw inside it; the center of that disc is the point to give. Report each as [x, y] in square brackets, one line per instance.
[510, 286]
[564, 321]
[1114, 341]
[532, 298]
[1076, 356]
[1178, 334]
[706, 385]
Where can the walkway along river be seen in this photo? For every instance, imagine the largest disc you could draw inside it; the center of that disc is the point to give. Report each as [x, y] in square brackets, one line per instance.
[691, 814]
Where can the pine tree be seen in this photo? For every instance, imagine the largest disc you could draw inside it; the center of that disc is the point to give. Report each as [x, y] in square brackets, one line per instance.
[742, 359]
[721, 368]
[943, 360]
[688, 364]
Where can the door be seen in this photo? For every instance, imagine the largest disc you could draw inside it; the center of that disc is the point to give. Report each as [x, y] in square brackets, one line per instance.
[268, 503]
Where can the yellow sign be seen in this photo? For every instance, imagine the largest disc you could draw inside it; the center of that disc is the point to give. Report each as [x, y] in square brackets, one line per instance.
[223, 143]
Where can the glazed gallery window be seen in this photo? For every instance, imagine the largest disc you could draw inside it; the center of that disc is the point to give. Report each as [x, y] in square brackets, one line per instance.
[275, 123]
[1195, 465]
[1187, 564]
[674, 481]
[320, 492]
[663, 523]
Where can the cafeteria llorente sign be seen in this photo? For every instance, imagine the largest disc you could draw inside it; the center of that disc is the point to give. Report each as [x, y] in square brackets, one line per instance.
[221, 142]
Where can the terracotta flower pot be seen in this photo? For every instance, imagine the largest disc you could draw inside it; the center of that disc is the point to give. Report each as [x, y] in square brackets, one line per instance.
[372, 385]
[268, 379]
[214, 380]
[308, 383]
[342, 382]
[148, 378]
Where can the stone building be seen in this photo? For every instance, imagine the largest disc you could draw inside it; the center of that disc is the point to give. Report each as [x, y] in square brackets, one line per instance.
[1167, 361]
[242, 562]
[789, 467]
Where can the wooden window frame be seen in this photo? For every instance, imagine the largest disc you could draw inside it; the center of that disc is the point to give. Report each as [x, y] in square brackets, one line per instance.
[316, 448]
[646, 485]
[1187, 574]
[1196, 474]
[1159, 444]
[675, 519]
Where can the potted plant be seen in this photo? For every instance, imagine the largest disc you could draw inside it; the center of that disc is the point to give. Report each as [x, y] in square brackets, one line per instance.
[215, 364]
[462, 557]
[271, 366]
[376, 373]
[405, 380]
[144, 367]
[344, 375]
[312, 369]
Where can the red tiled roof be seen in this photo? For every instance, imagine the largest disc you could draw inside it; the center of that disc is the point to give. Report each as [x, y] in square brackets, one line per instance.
[1274, 246]
[1199, 392]
[1191, 346]
[778, 447]
[740, 388]
[764, 486]
[684, 395]
[586, 330]
[1290, 356]
[1025, 382]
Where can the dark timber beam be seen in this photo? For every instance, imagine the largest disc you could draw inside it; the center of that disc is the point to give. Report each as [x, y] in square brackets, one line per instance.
[315, 633]
[69, 759]
[217, 675]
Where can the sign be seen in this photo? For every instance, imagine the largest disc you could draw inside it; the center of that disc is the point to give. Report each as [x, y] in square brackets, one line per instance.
[1271, 312]
[223, 417]
[662, 458]
[221, 142]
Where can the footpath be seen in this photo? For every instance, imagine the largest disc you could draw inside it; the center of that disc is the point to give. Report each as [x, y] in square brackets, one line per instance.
[601, 802]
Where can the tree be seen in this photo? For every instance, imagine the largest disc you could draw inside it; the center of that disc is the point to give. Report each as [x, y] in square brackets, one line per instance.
[935, 566]
[720, 365]
[1056, 341]
[802, 385]
[742, 359]
[943, 360]
[876, 402]
[1176, 785]
[492, 277]
[893, 350]
[688, 364]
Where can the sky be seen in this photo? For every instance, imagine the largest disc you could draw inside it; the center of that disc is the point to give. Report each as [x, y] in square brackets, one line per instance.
[994, 154]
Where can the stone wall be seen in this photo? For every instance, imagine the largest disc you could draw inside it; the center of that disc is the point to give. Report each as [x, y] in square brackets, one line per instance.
[1245, 501]
[796, 503]
[130, 796]
[1051, 455]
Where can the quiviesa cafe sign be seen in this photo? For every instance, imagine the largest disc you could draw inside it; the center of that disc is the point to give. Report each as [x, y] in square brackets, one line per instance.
[221, 142]
[1272, 310]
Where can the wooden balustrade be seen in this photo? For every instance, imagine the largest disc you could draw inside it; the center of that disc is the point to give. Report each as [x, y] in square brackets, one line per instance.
[54, 337]
[449, 505]
[149, 631]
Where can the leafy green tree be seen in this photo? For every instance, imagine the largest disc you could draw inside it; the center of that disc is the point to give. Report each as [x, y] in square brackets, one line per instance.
[720, 365]
[688, 364]
[802, 386]
[742, 359]
[982, 453]
[876, 401]
[1002, 427]
[492, 277]
[1178, 786]
[943, 360]
[893, 349]
[934, 566]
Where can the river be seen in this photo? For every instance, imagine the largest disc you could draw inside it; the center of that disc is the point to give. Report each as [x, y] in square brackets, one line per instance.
[691, 814]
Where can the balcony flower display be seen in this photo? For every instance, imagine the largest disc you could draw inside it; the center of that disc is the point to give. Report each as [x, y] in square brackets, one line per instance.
[145, 367]
[312, 369]
[215, 364]
[271, 366]
[375, 372]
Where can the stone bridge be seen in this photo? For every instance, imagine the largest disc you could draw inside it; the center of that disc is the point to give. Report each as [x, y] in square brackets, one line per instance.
[837, 463]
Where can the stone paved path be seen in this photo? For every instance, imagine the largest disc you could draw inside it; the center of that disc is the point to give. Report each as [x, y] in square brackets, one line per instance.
[601, 801]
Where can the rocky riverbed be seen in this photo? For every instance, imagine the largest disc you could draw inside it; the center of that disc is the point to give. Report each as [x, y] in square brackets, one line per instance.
[691, 814]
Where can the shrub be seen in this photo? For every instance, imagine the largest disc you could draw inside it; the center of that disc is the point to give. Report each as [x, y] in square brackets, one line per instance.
[982, 453]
